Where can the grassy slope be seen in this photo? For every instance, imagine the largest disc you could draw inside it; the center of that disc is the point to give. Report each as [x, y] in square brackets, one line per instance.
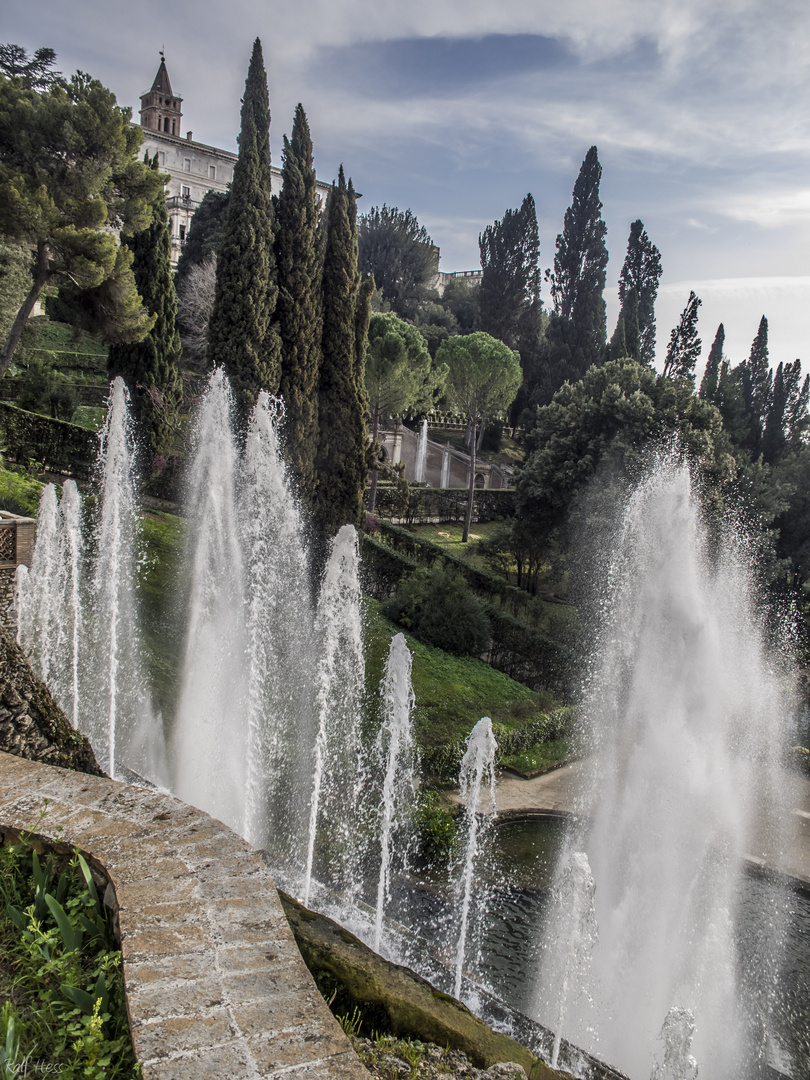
[452, 693]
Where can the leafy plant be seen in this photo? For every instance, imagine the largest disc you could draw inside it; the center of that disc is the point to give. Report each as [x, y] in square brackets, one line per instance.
[439, 607]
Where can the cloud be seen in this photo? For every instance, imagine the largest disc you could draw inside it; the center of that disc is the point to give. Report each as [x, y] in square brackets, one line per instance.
[770, 209]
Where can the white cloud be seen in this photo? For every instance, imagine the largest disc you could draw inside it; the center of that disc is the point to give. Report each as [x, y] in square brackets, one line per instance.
[772, 208]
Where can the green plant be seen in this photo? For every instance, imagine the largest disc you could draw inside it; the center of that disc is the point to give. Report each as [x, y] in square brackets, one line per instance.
[351, 1022]
[436, 828]
[439, 607]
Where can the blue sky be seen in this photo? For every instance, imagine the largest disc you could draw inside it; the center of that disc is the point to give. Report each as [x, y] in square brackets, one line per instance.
[456, 108]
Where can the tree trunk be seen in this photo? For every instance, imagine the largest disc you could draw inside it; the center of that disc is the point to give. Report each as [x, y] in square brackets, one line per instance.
[375, 431]
[41, 275]
[471, 491]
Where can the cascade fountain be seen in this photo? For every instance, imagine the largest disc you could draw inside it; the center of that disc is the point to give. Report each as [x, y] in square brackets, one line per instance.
[686, 708]
[421, 454]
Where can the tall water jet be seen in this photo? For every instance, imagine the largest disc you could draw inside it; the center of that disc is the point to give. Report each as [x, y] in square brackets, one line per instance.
[38, 593]
[677, 1034]
[115, 635]
[279, 631]
[70, 634]
[421, 454]
[477, 784]
[394, 754]
[210, 728]
[336, 784]
[686, 706]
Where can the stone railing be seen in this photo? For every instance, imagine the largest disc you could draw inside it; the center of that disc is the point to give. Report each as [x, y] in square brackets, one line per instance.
[215, 984]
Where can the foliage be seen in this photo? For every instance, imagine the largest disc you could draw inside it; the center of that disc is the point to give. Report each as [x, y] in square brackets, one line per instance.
[578, 279]
[195, 301]
[786, 421]
[436, 827]
[69, 177]
[483, 377]
[240, 332]
[151, 364]
[15, 280]
[55, 443]
[641, 273]
[35, 72]
[19, 493]
[341, 463]
[711, 373]
[610, 417]
[439, 608]
[69, 1005]
[756, 381]
[204, 234]
[298, 309]
[43, 390]
[462, 297]
[539, 758]
[684, 343]
[509, 295]
[397, 251]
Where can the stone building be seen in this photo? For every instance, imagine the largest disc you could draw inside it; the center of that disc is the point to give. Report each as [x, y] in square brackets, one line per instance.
[194, 168]
[445, 465]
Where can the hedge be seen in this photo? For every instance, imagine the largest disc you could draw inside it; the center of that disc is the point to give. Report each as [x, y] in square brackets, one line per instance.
[87, 393]
[442, 762]
[520, 651]
[60, 446]
[529, 609]
[426, 504]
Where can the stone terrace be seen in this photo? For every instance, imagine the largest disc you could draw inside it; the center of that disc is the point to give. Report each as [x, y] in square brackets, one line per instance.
[215, 984]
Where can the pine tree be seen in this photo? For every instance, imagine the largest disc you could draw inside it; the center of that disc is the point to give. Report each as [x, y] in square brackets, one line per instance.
[641, 271]
[787, 413]
[684, 343]
[240, 335]
[298, 308]
[580, 265]
[149, 367]
[756, 380]
[341, 463]
[711, 373]
[626, 340]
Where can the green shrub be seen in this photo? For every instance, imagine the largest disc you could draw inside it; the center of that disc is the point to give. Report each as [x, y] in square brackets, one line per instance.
[438, 606]
[43, 390]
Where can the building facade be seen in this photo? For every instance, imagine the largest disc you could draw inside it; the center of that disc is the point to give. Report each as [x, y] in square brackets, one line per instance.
[194, 168]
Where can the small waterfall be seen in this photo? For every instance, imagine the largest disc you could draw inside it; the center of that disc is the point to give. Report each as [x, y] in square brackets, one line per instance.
[676, 1034]
[336, 785]
[477, 783]
[211, 725]
[421, 454]
[573, 933]
[394, 754]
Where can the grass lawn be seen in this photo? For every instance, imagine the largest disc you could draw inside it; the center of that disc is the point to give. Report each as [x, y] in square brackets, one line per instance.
[452, 693]
[448, 535]
[539, 758]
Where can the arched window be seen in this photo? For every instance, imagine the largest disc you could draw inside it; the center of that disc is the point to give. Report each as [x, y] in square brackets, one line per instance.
[479, 480]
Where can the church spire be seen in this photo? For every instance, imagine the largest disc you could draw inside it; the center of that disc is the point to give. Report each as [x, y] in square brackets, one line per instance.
[161, 108]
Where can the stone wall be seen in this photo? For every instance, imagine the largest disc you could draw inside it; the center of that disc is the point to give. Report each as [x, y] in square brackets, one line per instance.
[215, 984]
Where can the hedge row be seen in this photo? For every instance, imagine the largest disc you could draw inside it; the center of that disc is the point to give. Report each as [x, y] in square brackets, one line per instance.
[86, 393]
[442, 763]
[95, 363]
[442, 504]
[60, 446]
[520, 651]
[509, 598]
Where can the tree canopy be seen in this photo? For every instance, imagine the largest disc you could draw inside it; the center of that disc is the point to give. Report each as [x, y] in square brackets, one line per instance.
[641, 273]
[684, 343]
[69, 179]
[398, 252]
[611, 415]
[483, 376]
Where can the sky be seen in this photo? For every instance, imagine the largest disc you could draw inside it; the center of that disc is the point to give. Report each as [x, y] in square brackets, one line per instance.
[700, 110]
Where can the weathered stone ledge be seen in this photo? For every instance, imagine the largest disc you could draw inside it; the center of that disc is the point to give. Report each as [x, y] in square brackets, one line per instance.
[215, 984]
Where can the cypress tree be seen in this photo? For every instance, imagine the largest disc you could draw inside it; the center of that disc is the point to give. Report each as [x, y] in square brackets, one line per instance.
[240, 335]
[298, 305]
[204, 234]
[618, 343]
[684, 343]
[756, 379]
[509, 296]
[341, 463]
[711, 374]
[149, 367]
[641, 271]
[580, 266]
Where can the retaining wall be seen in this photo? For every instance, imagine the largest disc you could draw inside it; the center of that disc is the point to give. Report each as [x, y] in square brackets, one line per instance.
[215, 984]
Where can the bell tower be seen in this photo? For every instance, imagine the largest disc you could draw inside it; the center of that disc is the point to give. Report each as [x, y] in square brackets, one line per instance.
[161, 109]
